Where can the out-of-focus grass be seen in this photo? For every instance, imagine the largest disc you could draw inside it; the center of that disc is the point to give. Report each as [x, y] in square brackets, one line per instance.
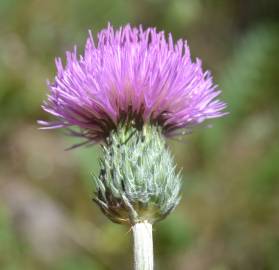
[228, 217]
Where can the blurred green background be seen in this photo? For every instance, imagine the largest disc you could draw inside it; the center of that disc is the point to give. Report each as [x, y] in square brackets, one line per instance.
[229, 215]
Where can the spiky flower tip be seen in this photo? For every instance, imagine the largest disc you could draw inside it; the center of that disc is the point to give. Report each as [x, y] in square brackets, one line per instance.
[129, 91]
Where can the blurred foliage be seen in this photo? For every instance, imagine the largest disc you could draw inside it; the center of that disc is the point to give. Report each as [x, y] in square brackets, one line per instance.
[228, 218]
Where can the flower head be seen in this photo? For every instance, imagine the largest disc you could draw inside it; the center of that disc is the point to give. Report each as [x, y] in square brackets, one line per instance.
[131, 76]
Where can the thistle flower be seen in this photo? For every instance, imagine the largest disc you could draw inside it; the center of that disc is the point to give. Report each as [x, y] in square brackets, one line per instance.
[128, 93]
[131, 75]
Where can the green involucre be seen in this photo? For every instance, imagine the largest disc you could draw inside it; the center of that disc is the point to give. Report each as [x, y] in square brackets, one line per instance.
[137, 180]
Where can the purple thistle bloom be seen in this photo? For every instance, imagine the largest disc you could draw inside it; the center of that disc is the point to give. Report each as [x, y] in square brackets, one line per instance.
[131, 76]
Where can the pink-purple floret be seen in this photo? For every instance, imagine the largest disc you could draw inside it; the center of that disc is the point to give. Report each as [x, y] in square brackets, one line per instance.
[135, 75]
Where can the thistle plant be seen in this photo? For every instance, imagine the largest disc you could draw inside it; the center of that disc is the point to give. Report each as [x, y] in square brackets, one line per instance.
[129, 92]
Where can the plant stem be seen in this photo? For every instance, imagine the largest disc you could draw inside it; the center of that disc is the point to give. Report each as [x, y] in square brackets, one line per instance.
[143, 246]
